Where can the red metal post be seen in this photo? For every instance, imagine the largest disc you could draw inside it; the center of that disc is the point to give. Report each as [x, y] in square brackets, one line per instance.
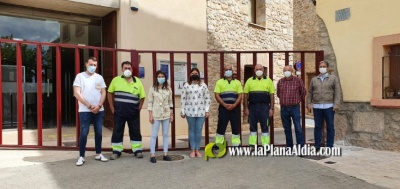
[154, 62]
[135, 63]
[1, 101]
[188, 68]
[271, 73]
[173, 128]
[254, 59]
[58, 95]
[221, 65]
[286, 58]
[39, 94]
[303, 107]
[238, 76]
[78, 125]
[114, 63]
[95, 53]
[207, 137]
[19, 94]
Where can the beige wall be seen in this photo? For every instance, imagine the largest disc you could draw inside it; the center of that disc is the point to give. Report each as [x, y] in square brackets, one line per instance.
[162, 25]
[352, 40]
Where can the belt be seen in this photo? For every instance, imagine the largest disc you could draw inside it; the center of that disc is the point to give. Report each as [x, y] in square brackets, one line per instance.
[259, 104]
[289, 106]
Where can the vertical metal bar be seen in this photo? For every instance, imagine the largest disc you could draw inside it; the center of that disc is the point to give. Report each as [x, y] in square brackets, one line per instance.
[189, 63]
[1, 97]
[19, 94]
[221, 65]
[383, 76]
[58, 95]
[238, 77]
[303, 107]
[188, 68]
[172, 76]
[154, 62]
[135, 63]
[96, 53]
[286, 58]
[271, 119]
[114, 63]
[39, 94]
[207, 134]
[254, 59]
[78, 125]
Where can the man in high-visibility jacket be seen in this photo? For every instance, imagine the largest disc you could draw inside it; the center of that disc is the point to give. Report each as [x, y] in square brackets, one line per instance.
[128, 100]
[228, 93]
[259, 104]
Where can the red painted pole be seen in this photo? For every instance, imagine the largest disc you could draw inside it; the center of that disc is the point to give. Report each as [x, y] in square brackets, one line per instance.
[58, 95]
[20, 104]
[271, 119]
[154, 62]
[238, 76]
[207, 137]
[221, 65]
[172, 76]
[303, 107]
[39, 94]
[77, 125]
[135, 63]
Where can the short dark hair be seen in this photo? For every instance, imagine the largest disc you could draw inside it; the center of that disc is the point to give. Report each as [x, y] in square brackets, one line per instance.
[91, 58]
[327, 64]
[126, 62]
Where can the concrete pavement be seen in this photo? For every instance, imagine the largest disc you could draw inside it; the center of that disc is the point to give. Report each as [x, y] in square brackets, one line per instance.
[356, 168]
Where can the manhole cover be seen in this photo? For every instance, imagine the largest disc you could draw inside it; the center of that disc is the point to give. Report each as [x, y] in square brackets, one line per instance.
[173, 157]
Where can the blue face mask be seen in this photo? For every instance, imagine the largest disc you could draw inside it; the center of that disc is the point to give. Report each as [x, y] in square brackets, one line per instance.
[228, 73]
[161, 80]
[91, 69]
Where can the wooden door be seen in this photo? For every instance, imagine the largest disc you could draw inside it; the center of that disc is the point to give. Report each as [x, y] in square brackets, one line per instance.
[109, 39]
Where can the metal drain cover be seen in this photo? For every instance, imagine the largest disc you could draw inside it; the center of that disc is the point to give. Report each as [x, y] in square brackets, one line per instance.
[173, 157]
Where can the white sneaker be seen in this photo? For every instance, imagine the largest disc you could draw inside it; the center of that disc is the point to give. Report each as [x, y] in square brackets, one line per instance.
[80, 161]
[101, 158]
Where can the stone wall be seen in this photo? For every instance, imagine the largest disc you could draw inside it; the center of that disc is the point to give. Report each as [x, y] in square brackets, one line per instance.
[357, 123]
[362, 125]
[228, 29]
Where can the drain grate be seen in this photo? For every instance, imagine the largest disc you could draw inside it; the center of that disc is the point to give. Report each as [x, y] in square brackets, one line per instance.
[173, 157]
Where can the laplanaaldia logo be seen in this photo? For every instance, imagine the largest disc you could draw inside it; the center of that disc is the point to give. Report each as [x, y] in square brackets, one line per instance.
[220, 150]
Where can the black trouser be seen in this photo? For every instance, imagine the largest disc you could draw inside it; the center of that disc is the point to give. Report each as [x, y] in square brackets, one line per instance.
[225, 116]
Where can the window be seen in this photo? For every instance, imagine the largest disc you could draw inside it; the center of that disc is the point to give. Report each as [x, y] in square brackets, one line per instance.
[391, 73]
[386, 71]
[257, 15]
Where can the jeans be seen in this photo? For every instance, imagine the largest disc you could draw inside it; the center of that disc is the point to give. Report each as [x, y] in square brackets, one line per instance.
[195, 131]
[154, 134]
[319, 116]
[288, 114]
[85, 119]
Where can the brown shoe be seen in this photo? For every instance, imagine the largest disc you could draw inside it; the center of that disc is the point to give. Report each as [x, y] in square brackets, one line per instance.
[114, 156]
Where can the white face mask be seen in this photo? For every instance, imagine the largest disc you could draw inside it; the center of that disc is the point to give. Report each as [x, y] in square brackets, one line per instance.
[259, 73]
[127, 73]
[322, 70]
[287, 73]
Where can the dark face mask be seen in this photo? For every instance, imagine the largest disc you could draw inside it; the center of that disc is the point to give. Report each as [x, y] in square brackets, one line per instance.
[194, 77]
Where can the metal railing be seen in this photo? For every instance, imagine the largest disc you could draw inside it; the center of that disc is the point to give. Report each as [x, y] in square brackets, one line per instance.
[134, 54]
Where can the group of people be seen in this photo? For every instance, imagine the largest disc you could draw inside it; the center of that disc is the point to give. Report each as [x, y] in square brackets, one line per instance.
[126, 96]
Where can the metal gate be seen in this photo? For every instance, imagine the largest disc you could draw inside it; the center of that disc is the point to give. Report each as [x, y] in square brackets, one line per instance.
[135, 55]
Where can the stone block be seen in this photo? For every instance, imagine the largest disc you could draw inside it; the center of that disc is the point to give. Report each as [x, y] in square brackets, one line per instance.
[341, 126]
[368, 122]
